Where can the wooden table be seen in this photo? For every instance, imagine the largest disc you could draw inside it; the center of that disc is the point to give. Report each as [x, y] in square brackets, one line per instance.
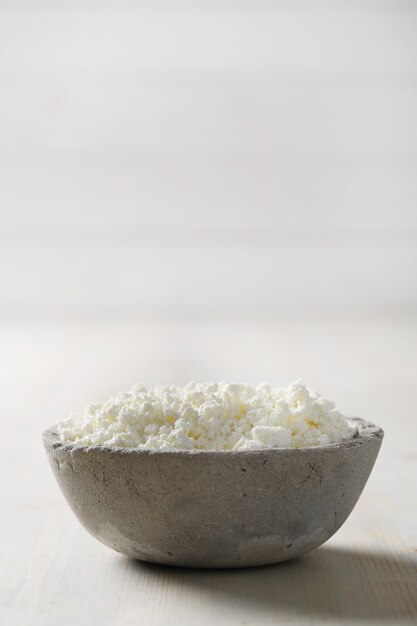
[53, 573]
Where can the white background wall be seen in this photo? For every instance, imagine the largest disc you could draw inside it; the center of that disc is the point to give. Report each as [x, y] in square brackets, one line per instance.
[211, 158]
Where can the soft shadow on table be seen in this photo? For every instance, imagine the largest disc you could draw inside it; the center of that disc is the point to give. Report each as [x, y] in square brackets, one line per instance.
[328, 582]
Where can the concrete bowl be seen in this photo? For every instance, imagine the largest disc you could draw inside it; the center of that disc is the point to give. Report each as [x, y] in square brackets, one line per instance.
[214, 509]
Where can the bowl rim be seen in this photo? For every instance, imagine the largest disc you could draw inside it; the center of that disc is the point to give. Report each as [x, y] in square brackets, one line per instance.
[365, 431]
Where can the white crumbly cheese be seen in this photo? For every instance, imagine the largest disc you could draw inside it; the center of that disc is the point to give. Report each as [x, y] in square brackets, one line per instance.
[209, 416]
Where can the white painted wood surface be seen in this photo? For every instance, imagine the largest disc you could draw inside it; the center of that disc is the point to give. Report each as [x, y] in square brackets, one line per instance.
[53, 573]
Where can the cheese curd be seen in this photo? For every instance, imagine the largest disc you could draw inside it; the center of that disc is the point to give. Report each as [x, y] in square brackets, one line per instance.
[209, 416]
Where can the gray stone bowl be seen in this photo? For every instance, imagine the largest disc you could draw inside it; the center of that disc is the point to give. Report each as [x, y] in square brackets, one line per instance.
[214, 509]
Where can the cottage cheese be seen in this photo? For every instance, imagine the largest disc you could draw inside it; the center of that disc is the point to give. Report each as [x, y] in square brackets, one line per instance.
[209, 416]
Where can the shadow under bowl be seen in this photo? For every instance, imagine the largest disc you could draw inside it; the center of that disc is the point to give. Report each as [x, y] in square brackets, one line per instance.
[214, 509]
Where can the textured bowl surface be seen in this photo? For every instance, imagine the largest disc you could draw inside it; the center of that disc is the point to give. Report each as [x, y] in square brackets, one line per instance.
[214, 509]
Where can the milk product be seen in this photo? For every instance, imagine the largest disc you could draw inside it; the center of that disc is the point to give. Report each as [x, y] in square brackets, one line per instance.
[209, 416]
